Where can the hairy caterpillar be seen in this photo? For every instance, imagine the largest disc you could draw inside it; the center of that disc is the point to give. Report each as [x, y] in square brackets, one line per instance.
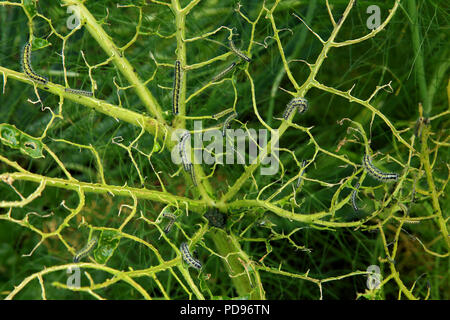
[190, 260]
[354, 193]
[176, 87]
[171, 217]
[226, 123]
[26, 65]
[86, 250]
[301, 174]
[224, 72]
[182, 151]
[238, 53]
[80, 92]
[375, 172]
[222, 113]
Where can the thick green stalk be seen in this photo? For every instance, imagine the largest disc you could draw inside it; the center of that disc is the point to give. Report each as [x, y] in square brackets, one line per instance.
[121, 63]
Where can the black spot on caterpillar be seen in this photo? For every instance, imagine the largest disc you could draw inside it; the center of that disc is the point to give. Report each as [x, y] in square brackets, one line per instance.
[237, 52]
[375, 172]
[354, 193]
[176, 87]
[224, 72]
[86, 250]
[26, 65]
[80, 92]
[215, 218]
[182, 151]
[226, 123]
[300, 103]
[190, 260]
[304, 162]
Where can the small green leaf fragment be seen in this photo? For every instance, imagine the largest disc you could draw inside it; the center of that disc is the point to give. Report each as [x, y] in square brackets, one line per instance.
[156, 147]
[30, 7]
[10, 135]
[108, 243]
[31, 146]
[39, 43]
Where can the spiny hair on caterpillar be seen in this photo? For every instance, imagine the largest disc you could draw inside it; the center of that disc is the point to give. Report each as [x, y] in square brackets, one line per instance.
[377, 173]
[187, 256]
[86, 250]
[26, 65]
[176, 87]
[185, 158]
[226, 123]
[79, 92]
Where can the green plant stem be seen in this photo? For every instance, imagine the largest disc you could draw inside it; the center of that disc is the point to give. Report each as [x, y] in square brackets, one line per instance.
[424, 158]
[298, 46]
[118, 59]
[419, 66]
[228, 247]
[194, 205]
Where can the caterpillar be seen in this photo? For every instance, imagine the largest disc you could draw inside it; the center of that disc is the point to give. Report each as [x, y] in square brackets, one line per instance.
[182, 151]
[79, 92]
[172, 219]
[224, 72]
[190, 260]
[300, 103]
[222, 113]
[176, 87]
[354, 193]
[26, 65]
[375, 172]
[301, 174]
[226, 123]
[86, 250]
[238, 53]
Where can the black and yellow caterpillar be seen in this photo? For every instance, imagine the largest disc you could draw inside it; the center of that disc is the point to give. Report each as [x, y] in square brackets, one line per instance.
[26, 65]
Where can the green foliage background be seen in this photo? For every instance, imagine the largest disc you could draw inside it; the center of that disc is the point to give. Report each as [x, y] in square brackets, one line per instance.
[284, 258]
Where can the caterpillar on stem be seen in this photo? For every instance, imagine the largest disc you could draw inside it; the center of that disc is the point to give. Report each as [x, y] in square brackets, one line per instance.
[238, 52]
[375, 172]
[300, 103]
[182, 151]
[221, 113]
[26, 65]
[171, 217]
[226, 123]
[176, 87]
[354, 193]
[79, 92]
[190, 260]
[86, 250]
[224, 72]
